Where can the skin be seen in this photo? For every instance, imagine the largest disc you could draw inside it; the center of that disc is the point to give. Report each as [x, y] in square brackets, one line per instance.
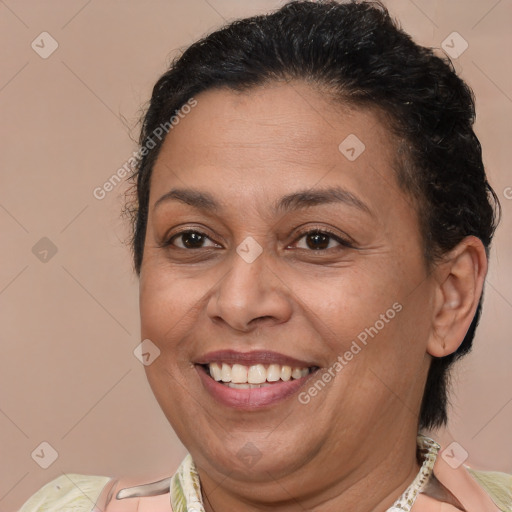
[352, 447]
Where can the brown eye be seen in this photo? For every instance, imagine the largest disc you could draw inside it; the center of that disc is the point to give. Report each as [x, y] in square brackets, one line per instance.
[321, 240]
[189, 240]
[317, 240]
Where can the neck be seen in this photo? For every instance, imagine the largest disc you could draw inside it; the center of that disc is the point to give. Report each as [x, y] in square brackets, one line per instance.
[374, 485]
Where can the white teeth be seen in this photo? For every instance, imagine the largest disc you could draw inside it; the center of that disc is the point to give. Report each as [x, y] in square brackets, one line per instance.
[216, 371]
[296, 373]
[247, 386]
[257, 375]
[226, 372]
[274, 372]
[242, 385]
[239, 374]
[286, 373]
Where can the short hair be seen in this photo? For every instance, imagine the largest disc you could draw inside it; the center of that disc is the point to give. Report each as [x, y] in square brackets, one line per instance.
[357, 52]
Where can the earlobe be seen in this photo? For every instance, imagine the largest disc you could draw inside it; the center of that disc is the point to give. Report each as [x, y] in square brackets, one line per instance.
[460, 279]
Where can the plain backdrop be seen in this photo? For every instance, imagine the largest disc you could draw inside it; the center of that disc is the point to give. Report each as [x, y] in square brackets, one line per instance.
[68, 296]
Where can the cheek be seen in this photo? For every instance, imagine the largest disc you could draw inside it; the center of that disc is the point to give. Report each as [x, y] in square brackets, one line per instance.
[352, 300]
[164, 302]
[374, 319]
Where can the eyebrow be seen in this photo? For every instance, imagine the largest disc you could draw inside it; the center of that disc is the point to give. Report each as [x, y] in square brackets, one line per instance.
[290, 202]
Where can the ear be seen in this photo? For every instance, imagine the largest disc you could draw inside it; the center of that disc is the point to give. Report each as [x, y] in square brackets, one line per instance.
[460, 280]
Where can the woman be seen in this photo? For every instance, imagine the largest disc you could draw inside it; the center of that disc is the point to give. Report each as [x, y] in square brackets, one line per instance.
[312, 227]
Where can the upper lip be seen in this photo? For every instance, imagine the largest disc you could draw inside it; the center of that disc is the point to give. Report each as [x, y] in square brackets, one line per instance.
[251, 358]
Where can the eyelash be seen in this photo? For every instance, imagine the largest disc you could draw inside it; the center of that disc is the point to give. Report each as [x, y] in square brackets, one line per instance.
[343, 242]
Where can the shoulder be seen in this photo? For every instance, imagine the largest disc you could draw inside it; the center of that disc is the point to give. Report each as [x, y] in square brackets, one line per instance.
[69, 492]
[498, 485]
[89, 493]
[472, 488]
[488, 490]
[128, 496]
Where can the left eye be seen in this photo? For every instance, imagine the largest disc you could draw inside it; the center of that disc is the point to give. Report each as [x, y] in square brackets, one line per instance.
[321, 240]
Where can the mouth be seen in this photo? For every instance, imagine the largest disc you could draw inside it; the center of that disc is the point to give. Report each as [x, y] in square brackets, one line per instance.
[238, 376]
[252, 380]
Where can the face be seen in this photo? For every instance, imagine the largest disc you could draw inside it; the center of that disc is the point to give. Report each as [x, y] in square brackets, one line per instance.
[272, 248]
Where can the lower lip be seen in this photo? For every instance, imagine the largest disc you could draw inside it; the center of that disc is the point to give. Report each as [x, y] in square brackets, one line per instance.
[250, 398]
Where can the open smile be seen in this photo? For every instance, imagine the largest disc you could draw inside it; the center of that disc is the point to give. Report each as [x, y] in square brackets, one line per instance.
[257, 383]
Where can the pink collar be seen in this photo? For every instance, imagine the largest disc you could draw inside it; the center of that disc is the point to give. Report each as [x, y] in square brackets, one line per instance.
[459, 481]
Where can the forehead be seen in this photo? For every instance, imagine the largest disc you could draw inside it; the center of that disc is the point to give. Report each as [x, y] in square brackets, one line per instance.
[268, 140]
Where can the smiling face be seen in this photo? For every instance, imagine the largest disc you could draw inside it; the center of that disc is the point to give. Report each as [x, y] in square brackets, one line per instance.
[268, 248]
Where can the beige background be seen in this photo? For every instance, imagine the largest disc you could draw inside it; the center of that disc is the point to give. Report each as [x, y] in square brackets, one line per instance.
[68, 375]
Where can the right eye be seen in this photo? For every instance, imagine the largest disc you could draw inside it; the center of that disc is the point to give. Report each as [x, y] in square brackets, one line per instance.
[190, 239]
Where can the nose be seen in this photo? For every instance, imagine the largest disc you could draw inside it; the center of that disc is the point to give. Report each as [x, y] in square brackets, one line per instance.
[250, 295]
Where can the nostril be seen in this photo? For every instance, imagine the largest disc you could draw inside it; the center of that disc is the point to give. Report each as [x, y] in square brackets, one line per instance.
[260, 319]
